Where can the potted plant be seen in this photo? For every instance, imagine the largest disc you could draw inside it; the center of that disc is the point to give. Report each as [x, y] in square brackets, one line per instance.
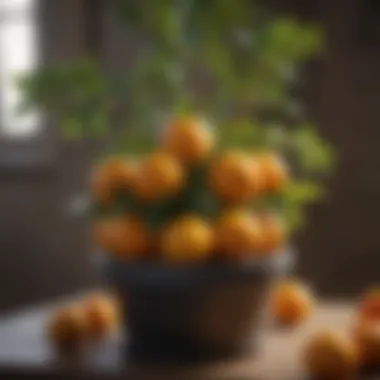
[207, 165]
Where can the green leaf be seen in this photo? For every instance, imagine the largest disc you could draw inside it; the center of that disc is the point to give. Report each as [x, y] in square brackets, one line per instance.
[302, 191]
[314, 154]
[197, 198]
[296, 196]
[242, 134]
[71, 129]
[291, 202]
[277, 137]
[134, 142]
[287, 40]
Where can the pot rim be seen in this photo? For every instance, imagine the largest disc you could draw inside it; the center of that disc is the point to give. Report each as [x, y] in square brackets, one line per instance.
[154, 273]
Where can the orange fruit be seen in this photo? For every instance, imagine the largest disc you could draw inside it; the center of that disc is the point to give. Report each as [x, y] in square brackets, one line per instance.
[234, 177]
[237, 233]
[124, 237]
[273, 233]
[102, 315]
[367, 339]
[274, 172]
[190, 139]
[330, 355]
[110, 176]
[290, 303]
[67, 327]
[369, 306]
[187, 239]
[158, 176]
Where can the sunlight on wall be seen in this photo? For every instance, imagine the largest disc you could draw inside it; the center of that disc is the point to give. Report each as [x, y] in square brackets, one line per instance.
[18, 54]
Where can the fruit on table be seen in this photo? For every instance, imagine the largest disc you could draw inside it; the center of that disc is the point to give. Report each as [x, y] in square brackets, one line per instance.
[274, 172]
[237, 234]
[290, 302]
[367, 340]
[67, 328]
[369, 306]
[273, 234]
[190, 139]
[187, 239]
[125, 237]
[107, 178]
[158, 176]
[330, 355]
[102, 315]
[235, 177]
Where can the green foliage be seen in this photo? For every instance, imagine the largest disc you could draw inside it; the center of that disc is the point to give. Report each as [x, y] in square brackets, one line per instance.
[292, 201]
[202, 200]
[295, 197]
[77, 94]
[134, 143]
[231, 60]
[314, 155]
[253, 135]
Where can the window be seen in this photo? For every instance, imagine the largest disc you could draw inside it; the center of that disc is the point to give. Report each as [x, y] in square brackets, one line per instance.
[18, 54]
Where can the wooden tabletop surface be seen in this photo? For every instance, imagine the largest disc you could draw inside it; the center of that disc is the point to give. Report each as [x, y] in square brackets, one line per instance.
[25, 351]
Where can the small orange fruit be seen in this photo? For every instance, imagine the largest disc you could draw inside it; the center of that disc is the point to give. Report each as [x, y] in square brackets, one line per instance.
[237, 234]
[125, 237]
[369, 307]
[274, 172]
[330, 355]
[290, 303]
[367, 339]
[360, 323]
[273, 233]
[112, 175]
[187, 239]
[67, 328]
[158, 176]
[234, 177]
[188, 138]
[102, 315]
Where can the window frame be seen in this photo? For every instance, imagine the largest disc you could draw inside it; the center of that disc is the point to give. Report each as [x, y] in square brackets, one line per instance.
[56, 44]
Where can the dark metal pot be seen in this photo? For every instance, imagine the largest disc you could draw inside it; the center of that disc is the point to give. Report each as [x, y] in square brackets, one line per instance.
[193, 313]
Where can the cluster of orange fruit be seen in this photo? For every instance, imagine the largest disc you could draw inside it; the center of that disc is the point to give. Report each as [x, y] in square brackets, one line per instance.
[234, 178]
[87, 320]
[330, 354]
[333, 355]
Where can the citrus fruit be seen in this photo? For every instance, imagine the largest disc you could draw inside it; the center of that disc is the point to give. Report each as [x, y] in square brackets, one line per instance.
[369, 306]
[290, 303]
[273, 233]
[102, 315]
[190, 139]
[273, 170]
[330, 355]
[367, 339]
[187, 239]
[158, 176]
[67, 327]
[234, 177]
[111, 176]
[124, 237]
[237, 233]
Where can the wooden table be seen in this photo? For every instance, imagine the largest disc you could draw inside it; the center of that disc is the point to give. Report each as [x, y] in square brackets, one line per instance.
[24, 352]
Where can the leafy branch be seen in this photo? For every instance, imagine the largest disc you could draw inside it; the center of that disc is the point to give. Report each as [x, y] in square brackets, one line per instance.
[237, 64]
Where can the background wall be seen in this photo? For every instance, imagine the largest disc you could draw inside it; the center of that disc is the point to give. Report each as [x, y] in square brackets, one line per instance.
[44, 252]
[340, 249]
